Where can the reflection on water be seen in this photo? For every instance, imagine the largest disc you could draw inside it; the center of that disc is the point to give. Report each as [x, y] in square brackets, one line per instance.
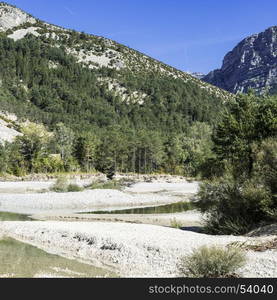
[6, 216]
[163, 209]
[22, 260]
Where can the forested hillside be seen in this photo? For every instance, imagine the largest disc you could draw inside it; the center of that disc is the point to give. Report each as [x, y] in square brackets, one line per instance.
[111, 107]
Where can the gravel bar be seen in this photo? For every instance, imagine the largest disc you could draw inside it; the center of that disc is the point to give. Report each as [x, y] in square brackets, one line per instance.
[133, 250]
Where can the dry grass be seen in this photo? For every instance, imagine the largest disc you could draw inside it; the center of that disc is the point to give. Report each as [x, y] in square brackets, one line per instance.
[212, 262]
[258, 247]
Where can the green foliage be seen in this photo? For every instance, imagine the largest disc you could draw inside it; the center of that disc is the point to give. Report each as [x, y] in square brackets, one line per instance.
[232, 207]
[33, 144]
[85, 150]
[4, 159]
[265, 163]
[61, 185]
[110, 185]
[212, 262]
[197, 147]
[249, 120]
[49, 164]
[93, 127]
[64, 141]
[74, 188]
[244, 194]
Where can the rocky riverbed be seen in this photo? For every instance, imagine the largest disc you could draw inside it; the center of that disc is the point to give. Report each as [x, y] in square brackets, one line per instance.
[131, 250]
[129, 245]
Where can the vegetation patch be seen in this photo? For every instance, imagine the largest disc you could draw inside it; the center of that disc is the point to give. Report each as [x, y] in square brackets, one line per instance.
[62, 185]
[245, 144]
[257, 247]
[109, 185]
[175, 224]
[212, 262]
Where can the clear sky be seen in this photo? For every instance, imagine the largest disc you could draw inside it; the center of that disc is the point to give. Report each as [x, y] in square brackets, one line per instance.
[192, 35]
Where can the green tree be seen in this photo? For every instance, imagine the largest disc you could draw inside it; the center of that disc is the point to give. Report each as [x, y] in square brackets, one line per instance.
[197, 147]
[64, 141]
[250, 119]
[34, 143]
[4, 158]
[85, 151]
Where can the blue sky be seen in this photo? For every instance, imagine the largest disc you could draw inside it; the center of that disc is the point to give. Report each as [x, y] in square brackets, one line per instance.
[192, 35]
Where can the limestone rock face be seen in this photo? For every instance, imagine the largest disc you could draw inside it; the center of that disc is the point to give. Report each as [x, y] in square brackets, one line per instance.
[197, 75]
[252, 64]
[11, 17]
[7, 134]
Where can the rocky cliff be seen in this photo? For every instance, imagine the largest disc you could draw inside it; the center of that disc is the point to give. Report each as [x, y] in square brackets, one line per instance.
[252, 64]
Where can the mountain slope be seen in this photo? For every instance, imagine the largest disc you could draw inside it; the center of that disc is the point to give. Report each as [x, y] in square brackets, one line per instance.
[92, 51]
[51, 74]
[252, 64]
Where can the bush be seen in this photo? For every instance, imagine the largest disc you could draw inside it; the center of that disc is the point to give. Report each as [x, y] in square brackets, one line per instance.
[212, 168]
[50, 164]
[232, 207]
[212, 262]
[109, 185]
[74, 188]
[62, 186]
[265, 163]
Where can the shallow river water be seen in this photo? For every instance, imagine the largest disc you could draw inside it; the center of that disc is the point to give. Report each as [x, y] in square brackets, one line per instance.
[18, 259]
[162, 209]
[7, 216]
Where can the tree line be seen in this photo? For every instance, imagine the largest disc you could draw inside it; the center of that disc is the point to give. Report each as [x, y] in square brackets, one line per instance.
[114, 149]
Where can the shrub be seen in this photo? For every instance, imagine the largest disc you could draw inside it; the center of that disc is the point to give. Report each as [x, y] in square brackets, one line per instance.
[212, 168]
[74, 188]
[215, 224]
[265, 163]
[111, 185]
[62, 186]
[50, 164]
[233, 207]
[212, 262]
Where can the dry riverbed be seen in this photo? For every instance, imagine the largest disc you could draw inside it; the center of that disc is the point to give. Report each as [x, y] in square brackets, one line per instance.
[130, 249]
[113, 242]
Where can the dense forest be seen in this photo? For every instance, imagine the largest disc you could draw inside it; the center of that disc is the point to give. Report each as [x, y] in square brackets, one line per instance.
[86, 126]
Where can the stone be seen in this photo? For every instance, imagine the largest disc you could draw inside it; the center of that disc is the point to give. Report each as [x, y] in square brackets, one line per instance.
[252, 64]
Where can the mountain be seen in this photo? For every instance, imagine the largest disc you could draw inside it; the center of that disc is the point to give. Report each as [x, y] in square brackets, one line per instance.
[123, 81]
[116, 107]
[252, 64]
